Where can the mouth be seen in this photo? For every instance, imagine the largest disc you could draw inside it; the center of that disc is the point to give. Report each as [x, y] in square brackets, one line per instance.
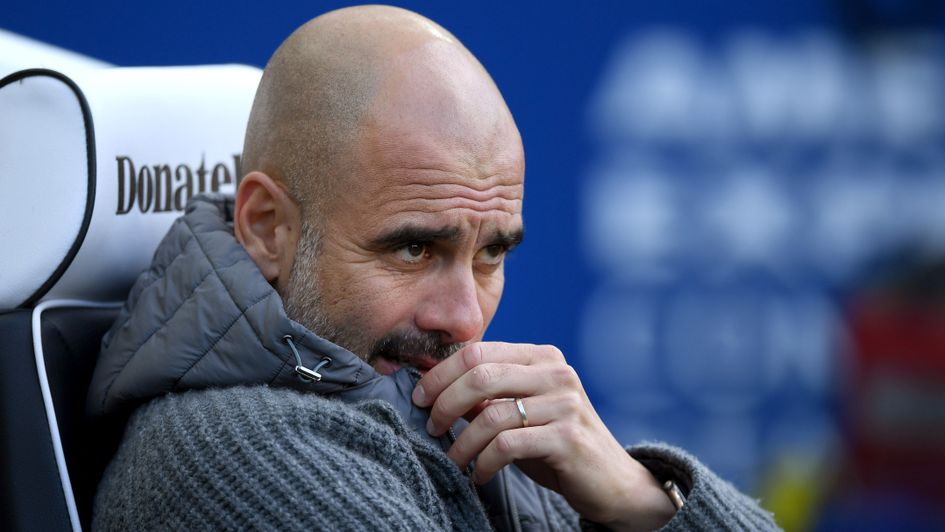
[387, 366]
[415, 349]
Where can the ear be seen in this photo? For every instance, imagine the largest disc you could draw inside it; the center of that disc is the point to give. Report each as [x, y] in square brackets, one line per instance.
[267, 223]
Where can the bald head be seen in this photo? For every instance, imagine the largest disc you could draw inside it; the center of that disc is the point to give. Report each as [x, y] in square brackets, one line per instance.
[355, 71]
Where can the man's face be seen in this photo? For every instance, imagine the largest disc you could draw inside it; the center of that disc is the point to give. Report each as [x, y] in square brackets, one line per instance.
[410, 262]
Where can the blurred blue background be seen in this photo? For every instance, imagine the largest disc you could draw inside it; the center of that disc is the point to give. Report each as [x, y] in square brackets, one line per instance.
[735, 216]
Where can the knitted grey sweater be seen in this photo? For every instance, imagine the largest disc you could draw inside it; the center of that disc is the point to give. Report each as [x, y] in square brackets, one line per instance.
[276, 459]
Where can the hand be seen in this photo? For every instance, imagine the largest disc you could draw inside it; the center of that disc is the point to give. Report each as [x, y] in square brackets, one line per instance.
[565, 447]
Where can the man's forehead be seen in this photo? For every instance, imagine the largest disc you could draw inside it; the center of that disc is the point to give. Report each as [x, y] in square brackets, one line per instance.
[413, 180]
[401, 145]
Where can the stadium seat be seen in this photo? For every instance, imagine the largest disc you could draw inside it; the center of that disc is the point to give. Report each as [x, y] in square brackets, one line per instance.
[94, 166]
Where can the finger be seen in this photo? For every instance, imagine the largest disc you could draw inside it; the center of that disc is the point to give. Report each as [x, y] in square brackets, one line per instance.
[490, 381]
[446, 372]
[501, 416]
[511, 445]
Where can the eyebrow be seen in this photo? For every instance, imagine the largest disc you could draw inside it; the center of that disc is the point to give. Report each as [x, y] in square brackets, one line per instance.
[409, 233]
[509, 240]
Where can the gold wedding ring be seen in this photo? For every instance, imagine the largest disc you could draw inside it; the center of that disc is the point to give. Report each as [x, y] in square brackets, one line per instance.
[521, 412]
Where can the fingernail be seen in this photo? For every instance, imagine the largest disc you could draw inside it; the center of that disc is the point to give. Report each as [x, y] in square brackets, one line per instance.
[430, 427]
[419, 396]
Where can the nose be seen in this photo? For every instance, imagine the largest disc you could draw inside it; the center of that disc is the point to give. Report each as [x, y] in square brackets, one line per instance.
[451, 307]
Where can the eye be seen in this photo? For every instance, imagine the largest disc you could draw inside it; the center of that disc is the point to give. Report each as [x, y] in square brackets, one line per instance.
[412, 253]
[491, 255]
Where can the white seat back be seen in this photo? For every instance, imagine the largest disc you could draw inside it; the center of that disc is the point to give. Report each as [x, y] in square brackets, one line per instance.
[96, 164]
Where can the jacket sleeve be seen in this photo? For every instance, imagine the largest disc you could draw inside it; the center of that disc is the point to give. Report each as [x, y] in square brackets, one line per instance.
[711, 503]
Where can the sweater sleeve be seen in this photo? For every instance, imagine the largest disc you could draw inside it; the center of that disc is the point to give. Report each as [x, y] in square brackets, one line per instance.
[254, 458]
[711, 503]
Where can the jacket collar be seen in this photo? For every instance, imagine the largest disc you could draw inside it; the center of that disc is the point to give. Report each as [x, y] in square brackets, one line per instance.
[203, 315]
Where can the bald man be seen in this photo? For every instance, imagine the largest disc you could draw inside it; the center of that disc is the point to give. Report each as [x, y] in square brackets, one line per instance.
[310, 354]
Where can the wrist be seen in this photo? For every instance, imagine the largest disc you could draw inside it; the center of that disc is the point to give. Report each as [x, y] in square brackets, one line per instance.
[645, 503]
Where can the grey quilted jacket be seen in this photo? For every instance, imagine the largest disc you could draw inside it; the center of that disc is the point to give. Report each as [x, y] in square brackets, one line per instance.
[203, 316]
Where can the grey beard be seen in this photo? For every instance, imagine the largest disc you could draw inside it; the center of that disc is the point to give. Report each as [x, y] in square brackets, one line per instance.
[303, 299]
[304, 303]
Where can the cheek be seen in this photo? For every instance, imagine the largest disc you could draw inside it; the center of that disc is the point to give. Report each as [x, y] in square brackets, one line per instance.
[375, 300]
[392, 299]
[490, 293]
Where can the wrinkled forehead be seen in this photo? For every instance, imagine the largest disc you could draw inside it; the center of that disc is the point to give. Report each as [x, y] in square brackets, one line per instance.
[417, 176]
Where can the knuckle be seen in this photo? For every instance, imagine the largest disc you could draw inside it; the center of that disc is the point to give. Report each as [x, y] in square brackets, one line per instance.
[572, 404]
[505, 443]
[493, 418]
[438, 411]
[553, 354]
[565, 375]
[433, 381]
[569, 433]
[481, 377]
[472, 356]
